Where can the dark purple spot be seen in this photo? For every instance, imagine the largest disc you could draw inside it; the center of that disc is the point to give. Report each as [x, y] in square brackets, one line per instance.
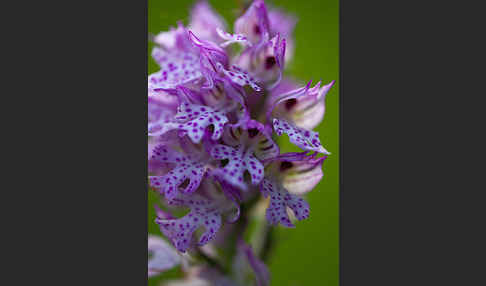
[270, 62]
[290, 103]
[253, 132]
[256, 29]
[286, 165]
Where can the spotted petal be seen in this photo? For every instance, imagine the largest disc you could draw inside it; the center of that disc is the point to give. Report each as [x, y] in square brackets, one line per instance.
[305, 139]
[159, 113]
[197, 118]
[156, 167]
[162, 100]
[164, 256]
[176, 68]
[280, 199]
[240, 77]
[193, 119]
[239, 160]
[187, 168]
[203, 214]
[253, 134]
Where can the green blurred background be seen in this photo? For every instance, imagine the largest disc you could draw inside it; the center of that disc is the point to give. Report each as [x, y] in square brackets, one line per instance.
[308, 254]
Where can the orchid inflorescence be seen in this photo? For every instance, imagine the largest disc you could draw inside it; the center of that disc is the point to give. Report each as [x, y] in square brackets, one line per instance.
[215, 112]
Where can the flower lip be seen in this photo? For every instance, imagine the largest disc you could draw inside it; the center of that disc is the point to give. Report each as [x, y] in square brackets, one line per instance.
[305, 139]
[203, 213]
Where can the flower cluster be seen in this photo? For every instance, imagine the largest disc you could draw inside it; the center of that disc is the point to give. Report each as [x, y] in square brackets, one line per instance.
[216, 107]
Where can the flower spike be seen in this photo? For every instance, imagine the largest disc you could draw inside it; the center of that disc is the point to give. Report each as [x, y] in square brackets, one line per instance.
[215, 115]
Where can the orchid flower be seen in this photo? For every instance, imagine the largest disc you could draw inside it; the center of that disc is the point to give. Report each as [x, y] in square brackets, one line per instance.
[214, 116]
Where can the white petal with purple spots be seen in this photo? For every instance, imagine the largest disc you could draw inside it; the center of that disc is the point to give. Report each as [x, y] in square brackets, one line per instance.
[180, 231]
[240, 77]
[197, 117]
[305, 139]
[192, 119]
[239, 160]
[159, 113]
[280, 199]
[177, 68]
[187, 169]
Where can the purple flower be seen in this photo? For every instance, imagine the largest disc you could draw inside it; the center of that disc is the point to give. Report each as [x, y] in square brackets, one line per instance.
[190, 169]
[203, 213]
[213, 117]
[245, 148]
[193, 120]
[254, 23]
[164, 256]
[298, 172]
[305, 110]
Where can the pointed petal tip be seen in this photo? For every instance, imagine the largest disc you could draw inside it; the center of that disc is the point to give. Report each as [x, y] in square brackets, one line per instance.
[324, 151]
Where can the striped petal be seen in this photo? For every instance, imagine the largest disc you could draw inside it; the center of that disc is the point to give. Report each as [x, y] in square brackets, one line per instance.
[305, 111]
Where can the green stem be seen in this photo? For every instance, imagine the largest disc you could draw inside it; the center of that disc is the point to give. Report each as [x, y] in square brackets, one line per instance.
[268, 243]
[211, 261]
